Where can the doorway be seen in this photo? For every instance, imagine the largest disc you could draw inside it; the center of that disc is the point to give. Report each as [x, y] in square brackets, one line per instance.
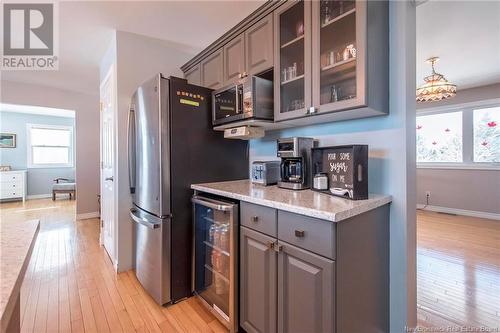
[458, 166]
[107, 141]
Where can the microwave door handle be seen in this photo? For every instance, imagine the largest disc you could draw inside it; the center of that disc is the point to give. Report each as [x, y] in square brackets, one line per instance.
[237, 108]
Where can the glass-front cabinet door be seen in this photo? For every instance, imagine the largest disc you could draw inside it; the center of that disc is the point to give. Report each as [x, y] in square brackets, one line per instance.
[338, 46]
[292, 75]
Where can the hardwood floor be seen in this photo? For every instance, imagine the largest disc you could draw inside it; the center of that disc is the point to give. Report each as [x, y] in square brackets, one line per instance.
[70, 284]
[458, 271]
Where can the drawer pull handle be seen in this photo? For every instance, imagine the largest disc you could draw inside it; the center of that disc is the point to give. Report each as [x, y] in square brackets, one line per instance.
[255, 218]
[300, 233]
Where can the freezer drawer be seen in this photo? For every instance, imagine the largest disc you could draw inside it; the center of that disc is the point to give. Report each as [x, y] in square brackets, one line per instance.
[152, 254]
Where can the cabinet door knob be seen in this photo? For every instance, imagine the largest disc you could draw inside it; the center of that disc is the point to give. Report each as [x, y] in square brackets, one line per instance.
[270, 245]
[255, 218]
[300, 233]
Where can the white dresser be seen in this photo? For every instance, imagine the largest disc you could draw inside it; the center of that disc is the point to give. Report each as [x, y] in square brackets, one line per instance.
[13, 184]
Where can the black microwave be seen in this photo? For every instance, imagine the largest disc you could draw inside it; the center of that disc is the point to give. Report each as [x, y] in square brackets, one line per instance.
[250, 98]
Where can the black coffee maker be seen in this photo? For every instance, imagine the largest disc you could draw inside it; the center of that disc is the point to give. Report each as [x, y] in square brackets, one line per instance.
[295, 156]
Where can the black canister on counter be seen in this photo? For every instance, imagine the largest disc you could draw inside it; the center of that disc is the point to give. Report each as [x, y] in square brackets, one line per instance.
[346, 168]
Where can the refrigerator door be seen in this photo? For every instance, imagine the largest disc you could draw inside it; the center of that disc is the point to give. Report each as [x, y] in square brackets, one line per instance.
[149, 132]
[152, 254]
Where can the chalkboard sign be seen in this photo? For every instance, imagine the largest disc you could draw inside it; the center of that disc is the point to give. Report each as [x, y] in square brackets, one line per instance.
[346, 168]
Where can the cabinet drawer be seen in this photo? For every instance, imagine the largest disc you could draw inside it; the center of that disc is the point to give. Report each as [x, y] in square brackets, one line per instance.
[7, 194]
[10, 177]
[312, 234]
[13, 185]
[259, 218]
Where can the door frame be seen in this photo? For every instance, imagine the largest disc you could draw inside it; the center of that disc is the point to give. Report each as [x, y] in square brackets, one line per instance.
[109, 77]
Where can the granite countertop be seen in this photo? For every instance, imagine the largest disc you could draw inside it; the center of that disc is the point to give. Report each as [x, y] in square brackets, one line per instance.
[16, 244]
[305, 202]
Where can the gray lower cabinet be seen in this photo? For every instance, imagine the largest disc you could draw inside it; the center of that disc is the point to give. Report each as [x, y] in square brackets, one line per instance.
[305, 291]
[258, 271]
[313, 275]
[211, 70]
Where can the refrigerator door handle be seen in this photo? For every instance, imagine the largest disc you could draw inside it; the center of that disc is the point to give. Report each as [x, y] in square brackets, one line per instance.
[131, 149]
[214, 204]
[142, 220]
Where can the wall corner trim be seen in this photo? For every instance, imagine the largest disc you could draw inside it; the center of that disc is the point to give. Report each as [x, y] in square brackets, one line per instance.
[85, 216]
[464, 212]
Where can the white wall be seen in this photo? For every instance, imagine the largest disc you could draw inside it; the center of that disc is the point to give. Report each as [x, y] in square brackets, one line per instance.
[136, 59]
[87, 132]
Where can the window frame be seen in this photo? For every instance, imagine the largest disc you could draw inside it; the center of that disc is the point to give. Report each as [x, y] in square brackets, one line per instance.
[467, 110]
[29, 147]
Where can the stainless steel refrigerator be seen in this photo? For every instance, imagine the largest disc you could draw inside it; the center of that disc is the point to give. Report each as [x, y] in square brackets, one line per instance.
[171, 146]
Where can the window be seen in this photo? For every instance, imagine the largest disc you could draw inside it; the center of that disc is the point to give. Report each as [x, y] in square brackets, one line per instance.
[50, 146]
[439, 138]
[465, 136]
[487, 135]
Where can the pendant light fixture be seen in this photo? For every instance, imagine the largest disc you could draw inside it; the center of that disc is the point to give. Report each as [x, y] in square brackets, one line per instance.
[436, 87]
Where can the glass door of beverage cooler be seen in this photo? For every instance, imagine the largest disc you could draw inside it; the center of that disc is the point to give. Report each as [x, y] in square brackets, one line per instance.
[215, 253]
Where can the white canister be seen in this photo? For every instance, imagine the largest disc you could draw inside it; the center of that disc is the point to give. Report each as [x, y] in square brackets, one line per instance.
[320, 181]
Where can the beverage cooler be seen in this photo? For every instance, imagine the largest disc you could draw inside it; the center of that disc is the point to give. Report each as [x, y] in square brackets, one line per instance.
[215, 272]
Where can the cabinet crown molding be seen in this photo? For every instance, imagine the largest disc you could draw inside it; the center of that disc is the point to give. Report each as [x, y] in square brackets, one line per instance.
[254, 17]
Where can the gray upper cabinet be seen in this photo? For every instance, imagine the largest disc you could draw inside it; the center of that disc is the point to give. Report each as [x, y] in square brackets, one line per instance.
[349, 61]
[292, 57]
[234, 59]
[306, 293]
[330, 58]
[259, 46]
[258, 268]
[211, 70]
[343, 48]
[193, 76]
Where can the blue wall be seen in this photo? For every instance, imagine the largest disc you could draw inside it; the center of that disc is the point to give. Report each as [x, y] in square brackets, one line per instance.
[375, 132]
[39, 179]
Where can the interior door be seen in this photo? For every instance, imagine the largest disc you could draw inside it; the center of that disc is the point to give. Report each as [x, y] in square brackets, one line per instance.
[107, 164]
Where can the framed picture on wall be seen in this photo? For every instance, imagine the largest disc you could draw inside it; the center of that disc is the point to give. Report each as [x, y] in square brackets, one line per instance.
[7, 140]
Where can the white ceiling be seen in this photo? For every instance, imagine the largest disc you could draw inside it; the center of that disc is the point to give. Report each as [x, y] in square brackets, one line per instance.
[85, 31]
[465, 35]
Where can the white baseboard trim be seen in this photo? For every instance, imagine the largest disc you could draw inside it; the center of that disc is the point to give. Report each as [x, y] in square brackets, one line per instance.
[38, 196]
[473, 213]
[86, 216]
